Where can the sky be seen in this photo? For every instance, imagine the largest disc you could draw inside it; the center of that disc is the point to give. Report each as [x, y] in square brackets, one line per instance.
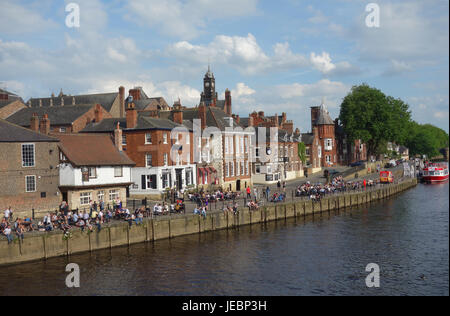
[274, 56]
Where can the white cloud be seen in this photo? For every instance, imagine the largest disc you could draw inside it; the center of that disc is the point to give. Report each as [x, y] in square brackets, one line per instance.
[186, 19]
[322, 62]
[16, 19]
[245, 55]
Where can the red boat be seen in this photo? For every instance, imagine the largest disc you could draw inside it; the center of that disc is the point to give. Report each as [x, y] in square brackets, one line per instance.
[435, 172]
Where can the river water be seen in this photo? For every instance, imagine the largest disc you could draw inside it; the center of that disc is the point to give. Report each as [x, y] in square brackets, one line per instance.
[407, 236]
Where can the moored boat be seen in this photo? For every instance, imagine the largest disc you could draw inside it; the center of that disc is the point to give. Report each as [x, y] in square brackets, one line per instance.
[435, 172]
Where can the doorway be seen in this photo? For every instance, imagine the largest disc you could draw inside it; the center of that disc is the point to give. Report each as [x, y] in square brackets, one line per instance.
[179, 178]
[238, 185]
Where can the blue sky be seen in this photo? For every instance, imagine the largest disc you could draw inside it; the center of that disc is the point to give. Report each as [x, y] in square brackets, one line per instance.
[276, 56]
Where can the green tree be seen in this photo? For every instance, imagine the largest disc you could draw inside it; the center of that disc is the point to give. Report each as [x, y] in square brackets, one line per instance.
[426, 139]
[302, 152]
[368, 114]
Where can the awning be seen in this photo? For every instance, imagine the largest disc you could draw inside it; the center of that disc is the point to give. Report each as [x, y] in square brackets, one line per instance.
[213, 170]
[201, 170]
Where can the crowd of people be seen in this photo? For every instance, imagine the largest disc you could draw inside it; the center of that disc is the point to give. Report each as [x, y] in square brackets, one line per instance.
[337, 185]
[99, 214]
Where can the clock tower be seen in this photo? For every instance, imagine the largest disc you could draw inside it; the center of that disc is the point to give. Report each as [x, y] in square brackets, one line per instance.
[209, 95]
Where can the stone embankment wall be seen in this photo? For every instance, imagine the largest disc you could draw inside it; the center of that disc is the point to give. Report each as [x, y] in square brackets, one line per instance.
[52, 244]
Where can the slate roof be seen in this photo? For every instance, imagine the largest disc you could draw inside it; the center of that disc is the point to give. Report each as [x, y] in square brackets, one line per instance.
[158, 103]
[143, 123]
[63, 115]
[11, 133]
[92, 150]
[4, 103]
[324, 117]
[214, 117]
[106, 100]
[307, 138]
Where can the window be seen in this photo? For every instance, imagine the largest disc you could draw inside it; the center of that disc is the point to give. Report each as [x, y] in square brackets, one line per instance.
[232, 168]
[124, 140]
[165, 138]
[246, 145]
[328, 159]
[85, 198]
[237, 169]
[328, 144]
[247, 169]
[151, 181]
[307, 151]
[189, 176]
[257, 152]
[28, 155]
[319, 152]
[237, 144]
[166, 179]
[92, 173]
[62, 129]
[227, 170]
[242, 168]
[148, 160]
[113, 194]
[199, 140]
[188, 139]
[166, 160]
[258, 169]
[101, 195]
[30, 184]
[242, 145]
[226, 145]
[231, 145]
[118, 172]
[148, 138]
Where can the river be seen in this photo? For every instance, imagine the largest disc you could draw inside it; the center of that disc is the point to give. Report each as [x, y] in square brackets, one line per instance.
[407, 236]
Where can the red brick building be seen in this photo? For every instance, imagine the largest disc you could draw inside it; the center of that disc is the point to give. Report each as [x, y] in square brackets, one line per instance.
[320, 118]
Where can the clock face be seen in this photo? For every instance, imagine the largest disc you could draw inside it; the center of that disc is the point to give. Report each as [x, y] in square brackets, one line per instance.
[268, 151]
[207, 84]
[212, 84]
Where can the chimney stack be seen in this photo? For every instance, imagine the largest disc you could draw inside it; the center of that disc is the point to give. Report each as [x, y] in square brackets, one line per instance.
[118, 137]
[136, 93]
[283, 117]
[122, 101]
[98, 113]
[131, 115]
[202, 114]
[34, 123]
[177, 113]
[227, 108]
[44, 125]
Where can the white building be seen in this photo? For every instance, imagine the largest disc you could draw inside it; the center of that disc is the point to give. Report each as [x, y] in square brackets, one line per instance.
[92, 169]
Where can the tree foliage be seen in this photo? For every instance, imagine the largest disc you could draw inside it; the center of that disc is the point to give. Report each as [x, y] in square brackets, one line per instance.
[368, 114]
[302, 152]
[426, 139]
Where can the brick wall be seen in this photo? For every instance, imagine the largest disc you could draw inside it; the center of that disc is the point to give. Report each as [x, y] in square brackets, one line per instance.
[12, 178]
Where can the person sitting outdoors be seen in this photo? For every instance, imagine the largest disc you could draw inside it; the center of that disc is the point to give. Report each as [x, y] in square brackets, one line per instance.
[7, 233]
[204, 211]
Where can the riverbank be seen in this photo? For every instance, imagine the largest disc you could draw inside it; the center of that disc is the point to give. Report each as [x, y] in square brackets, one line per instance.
[52, 244]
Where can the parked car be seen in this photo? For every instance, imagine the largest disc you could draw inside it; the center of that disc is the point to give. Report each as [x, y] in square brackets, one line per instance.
[357, 163]
[392, 163]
